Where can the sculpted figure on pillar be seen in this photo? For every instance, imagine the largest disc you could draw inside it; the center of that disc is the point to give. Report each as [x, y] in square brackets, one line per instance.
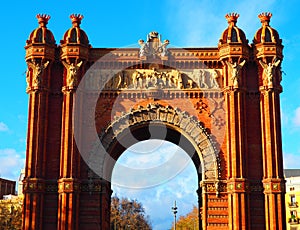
[72, 71]
[235, 70]
[37, 69]
[269, 70]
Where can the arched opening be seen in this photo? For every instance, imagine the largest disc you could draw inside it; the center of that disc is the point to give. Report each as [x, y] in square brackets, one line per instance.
[160, 122]
[181, 184]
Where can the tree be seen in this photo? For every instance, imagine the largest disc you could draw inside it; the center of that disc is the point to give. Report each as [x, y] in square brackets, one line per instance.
[128, 214]
[11, 214]
[188, 222]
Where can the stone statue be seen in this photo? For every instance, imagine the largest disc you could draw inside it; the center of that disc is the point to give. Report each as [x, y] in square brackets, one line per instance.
[163, 48]
[269, 70]
[144, 49]
[38, 69]
[72, 71]
[235, 71]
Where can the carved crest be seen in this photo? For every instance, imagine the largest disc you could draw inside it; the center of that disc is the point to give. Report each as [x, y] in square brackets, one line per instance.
[154, 46]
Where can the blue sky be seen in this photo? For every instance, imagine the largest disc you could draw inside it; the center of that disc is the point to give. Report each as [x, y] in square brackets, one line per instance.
[197, 23]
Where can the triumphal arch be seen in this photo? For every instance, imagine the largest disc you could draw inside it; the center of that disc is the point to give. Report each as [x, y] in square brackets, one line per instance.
[88, 105]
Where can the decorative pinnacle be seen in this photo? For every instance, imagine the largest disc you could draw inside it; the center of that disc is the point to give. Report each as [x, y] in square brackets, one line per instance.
[76, 19]
[232, 18]
[265, 18]
[43, 19]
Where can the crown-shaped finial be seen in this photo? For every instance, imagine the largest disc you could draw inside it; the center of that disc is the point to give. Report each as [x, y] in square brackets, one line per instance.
[43, 19]
[76, 19]
[265, 18]
[232, 18]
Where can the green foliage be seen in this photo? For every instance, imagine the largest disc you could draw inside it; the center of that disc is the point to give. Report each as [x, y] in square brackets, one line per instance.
[128, 214]
[11, 214]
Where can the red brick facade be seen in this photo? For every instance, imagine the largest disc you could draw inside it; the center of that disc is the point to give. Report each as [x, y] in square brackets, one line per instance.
[219, 104]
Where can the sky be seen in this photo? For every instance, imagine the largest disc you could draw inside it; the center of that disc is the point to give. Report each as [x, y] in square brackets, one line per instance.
[194, 23]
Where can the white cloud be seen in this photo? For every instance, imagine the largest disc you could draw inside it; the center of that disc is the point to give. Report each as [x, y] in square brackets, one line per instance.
[142, 170]
[148, 154]
[291, 161]
[3, 127]
[297, 117]
[158, 200]
[11, 163]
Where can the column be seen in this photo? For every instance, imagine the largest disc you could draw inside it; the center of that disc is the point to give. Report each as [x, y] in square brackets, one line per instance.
[273, 181]
[68, 184]
[34, 186]
[237, 185]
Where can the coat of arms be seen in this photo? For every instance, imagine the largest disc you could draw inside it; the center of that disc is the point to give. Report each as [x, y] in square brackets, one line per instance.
[153, 47]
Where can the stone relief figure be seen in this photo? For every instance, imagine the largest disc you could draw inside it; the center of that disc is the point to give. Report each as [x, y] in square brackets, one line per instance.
[165, 80]
[153, 78]
[187, 81]
[269, 70]
[214, 79]
[174, 81]
[72, 71]
[177, 79]
[117, 79]
[203, 79]
[196, 75]
[148, 79]
[38, 69]
[127, 81]
[235, 71]
[137, 78]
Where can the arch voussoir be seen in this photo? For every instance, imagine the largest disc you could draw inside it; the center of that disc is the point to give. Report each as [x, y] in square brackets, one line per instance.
[172, 117]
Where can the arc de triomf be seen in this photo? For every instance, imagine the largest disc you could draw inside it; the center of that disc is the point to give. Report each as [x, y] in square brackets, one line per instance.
[88, 105]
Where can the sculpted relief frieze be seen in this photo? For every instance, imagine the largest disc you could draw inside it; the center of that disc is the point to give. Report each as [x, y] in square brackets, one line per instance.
[142, 79]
